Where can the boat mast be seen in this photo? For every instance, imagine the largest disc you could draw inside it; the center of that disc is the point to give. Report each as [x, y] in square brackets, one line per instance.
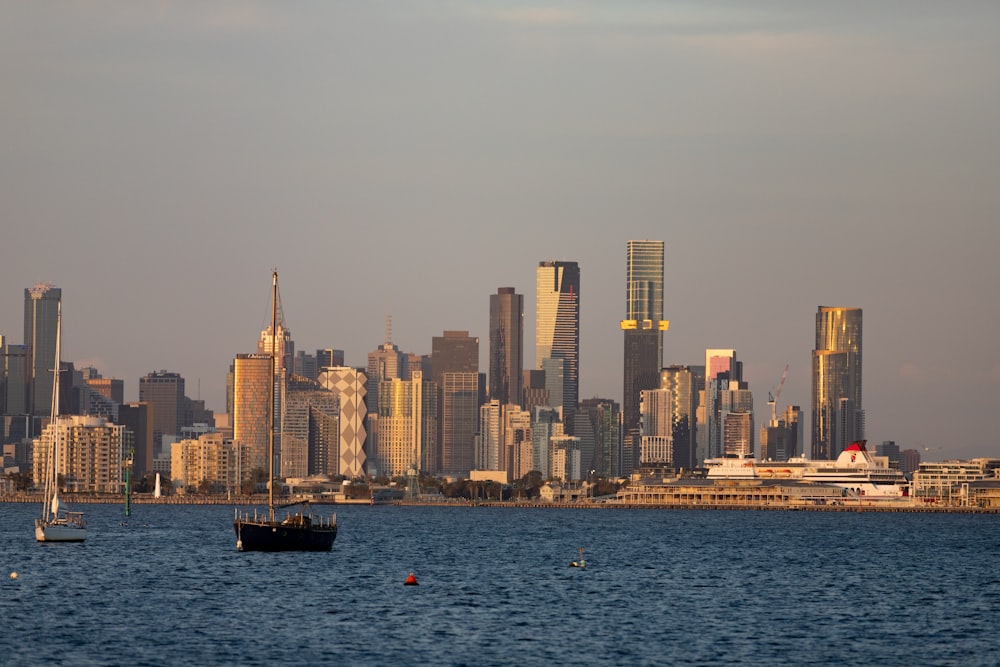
[53, 502]
[270, 410]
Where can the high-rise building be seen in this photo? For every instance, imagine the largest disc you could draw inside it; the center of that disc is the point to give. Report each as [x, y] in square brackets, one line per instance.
[643, 327]
[656, 428]
[545, 424]
[309, 444]
[112, 388]
[91, 453]
[163, 391]
[15, 379]
[506, 345]
[454, 352]
[455, 371]
[779, 441]
[534, 393]
[41, 314]
[557, 328]
[329, 358]
[458, 425]
[253, 384]
[684, 383]
[565, 458]
[281, 346]
[583, 431]
[554, 374]
[723, 374]
[351, 387]
[305, 365]
[95, 395]
[135, 417]
[736, 418]
[605, 424]
[739, 433]
[385, 363]
[489, 442]
[517, 441]
[418, 362]
[838, 417]
[207, 460]
[407, 420]
[504, 440]
[891, 451]
[3, 375]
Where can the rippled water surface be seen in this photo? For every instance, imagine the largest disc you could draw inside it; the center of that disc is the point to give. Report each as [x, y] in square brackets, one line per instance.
[660, 588]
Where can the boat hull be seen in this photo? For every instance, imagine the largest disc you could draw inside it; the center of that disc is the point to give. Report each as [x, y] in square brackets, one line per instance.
[59, 532]
[279, 536]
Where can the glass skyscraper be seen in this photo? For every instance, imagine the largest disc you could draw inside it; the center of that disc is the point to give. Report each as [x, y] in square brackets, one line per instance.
[506, 347]
[643, 327]
[838, 417]
[41, 314]
[557, 327]
[644, 281]
[683, 382]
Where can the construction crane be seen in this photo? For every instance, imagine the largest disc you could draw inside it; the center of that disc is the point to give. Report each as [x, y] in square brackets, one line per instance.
[772, 399]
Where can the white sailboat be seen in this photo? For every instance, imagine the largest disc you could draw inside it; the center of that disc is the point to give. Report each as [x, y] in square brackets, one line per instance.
[57, 524]
[156, 489]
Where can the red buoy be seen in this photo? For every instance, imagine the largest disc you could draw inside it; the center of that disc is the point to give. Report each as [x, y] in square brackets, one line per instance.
[411, 581]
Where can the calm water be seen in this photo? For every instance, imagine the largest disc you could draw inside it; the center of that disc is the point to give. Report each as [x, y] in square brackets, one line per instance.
[660, 588]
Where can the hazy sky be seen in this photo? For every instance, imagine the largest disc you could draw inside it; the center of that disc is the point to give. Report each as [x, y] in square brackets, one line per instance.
[158, 159]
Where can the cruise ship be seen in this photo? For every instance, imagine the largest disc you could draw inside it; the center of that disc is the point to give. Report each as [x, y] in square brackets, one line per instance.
[854, 470]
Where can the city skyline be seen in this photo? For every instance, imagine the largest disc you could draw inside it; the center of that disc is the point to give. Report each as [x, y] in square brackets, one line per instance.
[410, 163]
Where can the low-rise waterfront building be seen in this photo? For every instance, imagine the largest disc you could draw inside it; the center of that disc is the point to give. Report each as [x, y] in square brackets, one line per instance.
[690, 491]
[553, 492]
[947, 479]
[985, 494]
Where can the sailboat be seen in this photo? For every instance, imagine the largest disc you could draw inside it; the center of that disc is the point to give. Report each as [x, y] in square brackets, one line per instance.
[57, 524]
[156, 489]
[300, 531]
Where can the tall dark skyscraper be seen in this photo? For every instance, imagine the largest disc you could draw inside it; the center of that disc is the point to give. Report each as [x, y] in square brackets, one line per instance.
[506, 346]
[838, 418]
[15, 379]
[557, 328]
[164, 393]
[41, 312]
[643, 327]
[135, 417]
[455, 373]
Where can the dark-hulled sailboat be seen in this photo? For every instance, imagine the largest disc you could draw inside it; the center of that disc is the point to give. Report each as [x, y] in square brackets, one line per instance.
[299, 531]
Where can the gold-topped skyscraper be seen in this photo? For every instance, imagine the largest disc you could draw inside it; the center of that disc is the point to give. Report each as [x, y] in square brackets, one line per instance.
[643, 327]
[838, 418]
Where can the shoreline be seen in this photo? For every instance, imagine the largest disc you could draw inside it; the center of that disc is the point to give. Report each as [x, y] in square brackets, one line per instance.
[97, 499]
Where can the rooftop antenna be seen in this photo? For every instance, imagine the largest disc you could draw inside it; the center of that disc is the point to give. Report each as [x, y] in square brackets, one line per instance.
[388, 330]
